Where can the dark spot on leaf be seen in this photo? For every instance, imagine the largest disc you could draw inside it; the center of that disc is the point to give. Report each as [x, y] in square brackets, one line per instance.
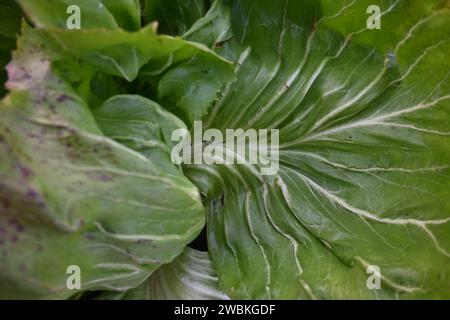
[25, 171]
[101, 177]
[63, 98]
[16, 224]
[33, 194]
[6, 204]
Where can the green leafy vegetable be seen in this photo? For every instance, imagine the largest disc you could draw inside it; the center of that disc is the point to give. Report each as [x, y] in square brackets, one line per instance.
[72, 196]
[86, 176]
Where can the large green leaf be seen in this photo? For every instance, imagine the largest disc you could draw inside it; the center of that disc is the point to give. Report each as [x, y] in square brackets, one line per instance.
[364, 174]
[69, 195]
[364, 160]
[189, 277]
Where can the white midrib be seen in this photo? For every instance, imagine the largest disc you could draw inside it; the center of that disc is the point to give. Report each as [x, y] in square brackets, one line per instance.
[366, 122]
